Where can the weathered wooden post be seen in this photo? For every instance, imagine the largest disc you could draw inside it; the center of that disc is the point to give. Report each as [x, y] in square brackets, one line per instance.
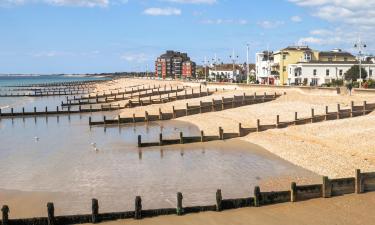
[200, 106]
[208, 92]
[5, 217]
[327, 187]
[104, 119]
[202, 136]
[160, 139]
[264, 96]
[256, 196]
[243, 98]
[179, 209]
[181, 138]
[312, 116]
[222, 103]
[358, 182]
[139, 141]
[326, 114]
[234, 97]
[90, 121]
[293, 192]
[213, 105]
[34, 110]
[51, 213]
[23, 110]
[95, 210]
[146, 116]
[364, 107]
[338, 111]
[239, 130]
[221, 133]
[134, 119]
[173, 112]
[255, 96]
[258, 125]
[219, 199]
[351, 108]
[277, 121]
[11, 111]
[185, 94]
[187, 109]
[138, 208]
[160, 114]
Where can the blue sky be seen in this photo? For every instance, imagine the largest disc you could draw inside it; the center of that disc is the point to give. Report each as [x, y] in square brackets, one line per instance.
[89, 36]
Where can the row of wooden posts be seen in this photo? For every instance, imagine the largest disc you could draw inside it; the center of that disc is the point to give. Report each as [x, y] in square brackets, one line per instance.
[204, 107]
[354, 111]
[361, 183]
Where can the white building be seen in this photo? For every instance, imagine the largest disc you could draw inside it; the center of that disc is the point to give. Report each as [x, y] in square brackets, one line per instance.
[322, 72]
[263, 63]
[225, 71]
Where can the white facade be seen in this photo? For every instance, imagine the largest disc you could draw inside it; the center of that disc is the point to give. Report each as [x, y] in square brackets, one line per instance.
[317, 74]
[224, 74]
[263, 62]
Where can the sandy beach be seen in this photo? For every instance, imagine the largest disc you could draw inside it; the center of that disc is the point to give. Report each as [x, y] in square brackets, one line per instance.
[345, 210]
[334, 148]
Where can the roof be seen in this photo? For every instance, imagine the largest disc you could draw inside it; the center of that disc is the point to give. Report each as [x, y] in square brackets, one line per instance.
[336, 62]
[297, 48]
[332, 54]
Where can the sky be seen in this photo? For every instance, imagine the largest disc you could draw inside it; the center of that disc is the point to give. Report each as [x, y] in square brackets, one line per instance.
[95, 36]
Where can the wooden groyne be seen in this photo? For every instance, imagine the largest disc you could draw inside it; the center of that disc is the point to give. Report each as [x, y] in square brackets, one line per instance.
[45, 94]
[360, 183]
[59, 84]
[121, 96]
[354, 111]
[203, 107]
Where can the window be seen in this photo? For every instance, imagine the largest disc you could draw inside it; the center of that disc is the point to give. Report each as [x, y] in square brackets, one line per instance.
[284, 57]
[327, 72]
[345, 59]
[330, 59]
[370, 72]
[284, 68]
[314, 72]
[340, 72]
[307, 57]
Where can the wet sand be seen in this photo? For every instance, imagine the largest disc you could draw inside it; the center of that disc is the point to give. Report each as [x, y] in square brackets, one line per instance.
[334, 148]
[344, 210]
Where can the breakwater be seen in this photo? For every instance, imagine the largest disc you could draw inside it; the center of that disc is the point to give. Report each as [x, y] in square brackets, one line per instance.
[360, 183]
[354, 111]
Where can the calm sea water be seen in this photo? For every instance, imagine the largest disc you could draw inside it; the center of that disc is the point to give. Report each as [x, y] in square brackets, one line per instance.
[55, 154]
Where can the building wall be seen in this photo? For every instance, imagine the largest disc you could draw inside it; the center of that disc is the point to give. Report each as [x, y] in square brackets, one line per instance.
[321, 77]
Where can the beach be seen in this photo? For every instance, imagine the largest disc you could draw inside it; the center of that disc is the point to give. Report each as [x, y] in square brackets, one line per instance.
[315, 147]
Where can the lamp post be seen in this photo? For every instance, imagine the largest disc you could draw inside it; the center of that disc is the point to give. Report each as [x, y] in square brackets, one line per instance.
[215, 61]
[247, 64]
[360, 46]
[234, 58]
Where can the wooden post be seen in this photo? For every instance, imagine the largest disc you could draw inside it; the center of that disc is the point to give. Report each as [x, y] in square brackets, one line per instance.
[277, 121]
[5, 217]
[256, 196]
[181, 138]
[364, 107]
[293, 192]
[202, 136]
[326, 115]
[23, 110]
[90, 120]
[179, 208]
[34, 110]
[146, 116]
[327, 187]
[160, 114]
[243, 98]
[160, 139]
[51, 213]
[138, 208]
[219, 199]
[258, 125]
[208, 91]
[312, 116]
[264, 96]
[239, 130]
[104, 119]
[200, 106]
[213, 105]
[173, 112]
[11, 111]
[187, 109]
[358, 182]
[139, 141]
[351, 108]
[221, 133]
[134, 120]
[338, 111]
[222, 103]
[95, 210]
[234, 97]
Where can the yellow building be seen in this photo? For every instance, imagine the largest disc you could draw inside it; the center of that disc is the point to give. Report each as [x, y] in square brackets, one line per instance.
[291, 55]
[336, 55]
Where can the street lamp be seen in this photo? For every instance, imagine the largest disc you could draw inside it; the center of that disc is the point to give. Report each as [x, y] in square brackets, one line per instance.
[215, 61]
[233, 57]
[247, 64]
[360, 46]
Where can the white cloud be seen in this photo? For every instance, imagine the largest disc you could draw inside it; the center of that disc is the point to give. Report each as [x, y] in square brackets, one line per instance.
[134, 57]
[270, 24]
[225, 21]
[162, 11]
[193, 1]
[296, 19]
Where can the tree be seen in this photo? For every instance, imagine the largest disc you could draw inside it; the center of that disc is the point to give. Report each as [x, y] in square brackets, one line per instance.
[353, 73]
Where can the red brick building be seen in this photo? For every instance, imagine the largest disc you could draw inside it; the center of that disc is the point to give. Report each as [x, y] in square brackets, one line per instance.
[174, 65]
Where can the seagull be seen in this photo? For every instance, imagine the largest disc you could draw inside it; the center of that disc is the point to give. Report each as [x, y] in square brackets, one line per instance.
[93, 144]
[36, 139]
